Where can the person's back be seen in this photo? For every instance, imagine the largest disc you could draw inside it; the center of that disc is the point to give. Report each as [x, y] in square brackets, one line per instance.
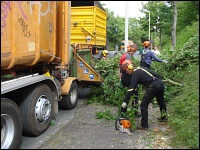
[125, 78]
[125, 56]
[148, 56]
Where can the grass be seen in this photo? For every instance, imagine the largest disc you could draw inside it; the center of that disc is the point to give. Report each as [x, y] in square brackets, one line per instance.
[184, 111]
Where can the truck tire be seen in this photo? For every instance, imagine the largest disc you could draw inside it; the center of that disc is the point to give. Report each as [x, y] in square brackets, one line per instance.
[37, 109]
[11, 125]
[70, 101]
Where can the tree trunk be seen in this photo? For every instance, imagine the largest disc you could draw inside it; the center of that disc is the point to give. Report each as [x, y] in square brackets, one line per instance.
[174, 23]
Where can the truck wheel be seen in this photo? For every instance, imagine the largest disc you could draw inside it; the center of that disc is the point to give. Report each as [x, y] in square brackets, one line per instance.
[11, 124]
[36, 108]
[70, 101]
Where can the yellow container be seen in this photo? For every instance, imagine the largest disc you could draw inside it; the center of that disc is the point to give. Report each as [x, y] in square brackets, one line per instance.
[27, 32]
[34, 32]
[88, 25]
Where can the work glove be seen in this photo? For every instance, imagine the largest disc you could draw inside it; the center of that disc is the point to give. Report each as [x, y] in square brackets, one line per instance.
[164, 61]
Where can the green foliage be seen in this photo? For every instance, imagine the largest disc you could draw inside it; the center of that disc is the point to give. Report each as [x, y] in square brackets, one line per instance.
[183, 102]
[185, 110]
[135, 32]
[111, 91]
[188, 12]
[52, 123]
[182, 67]
[160, 20]
[183, 37]
[107, 115]
[179, 58]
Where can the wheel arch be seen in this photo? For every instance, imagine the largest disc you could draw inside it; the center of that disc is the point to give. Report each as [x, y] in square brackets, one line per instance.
[56, 93]
[67, 85]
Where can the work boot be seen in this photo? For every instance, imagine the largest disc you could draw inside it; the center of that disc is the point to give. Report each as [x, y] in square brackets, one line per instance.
[141, 128]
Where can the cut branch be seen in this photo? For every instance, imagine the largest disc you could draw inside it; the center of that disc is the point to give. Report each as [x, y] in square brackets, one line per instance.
[173, 82]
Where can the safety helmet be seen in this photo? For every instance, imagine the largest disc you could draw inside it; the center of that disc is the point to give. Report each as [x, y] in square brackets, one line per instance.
[127, 64]
[105, 52]
[146, 43]
[131, 47]
[130, 67]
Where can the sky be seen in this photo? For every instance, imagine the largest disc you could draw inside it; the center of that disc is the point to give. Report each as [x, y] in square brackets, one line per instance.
[118, 7]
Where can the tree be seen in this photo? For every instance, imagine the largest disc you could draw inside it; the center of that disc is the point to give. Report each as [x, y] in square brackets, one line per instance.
[160, 19]
[136, 33]
[188, 12]
[174, 23]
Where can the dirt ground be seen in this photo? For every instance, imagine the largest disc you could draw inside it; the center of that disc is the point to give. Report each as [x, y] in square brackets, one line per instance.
[84, 131]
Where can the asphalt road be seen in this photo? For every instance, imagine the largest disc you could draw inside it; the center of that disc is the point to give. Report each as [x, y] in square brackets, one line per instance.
[79, 129]
[60, 120]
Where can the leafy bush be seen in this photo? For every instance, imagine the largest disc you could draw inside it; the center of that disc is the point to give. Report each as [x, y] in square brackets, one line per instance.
[184, 110]
[183, 67]
[111, 91]
[183, 36]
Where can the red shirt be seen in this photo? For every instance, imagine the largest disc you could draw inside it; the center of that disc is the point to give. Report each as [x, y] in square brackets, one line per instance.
[125, 56]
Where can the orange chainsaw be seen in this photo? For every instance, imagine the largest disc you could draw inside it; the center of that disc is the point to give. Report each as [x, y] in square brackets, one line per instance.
[124, 125]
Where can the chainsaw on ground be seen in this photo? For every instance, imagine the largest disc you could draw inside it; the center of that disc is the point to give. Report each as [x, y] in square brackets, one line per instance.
[124, 125]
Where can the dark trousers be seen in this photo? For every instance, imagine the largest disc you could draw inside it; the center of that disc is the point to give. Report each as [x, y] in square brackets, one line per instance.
[155, 89]
[145, 65]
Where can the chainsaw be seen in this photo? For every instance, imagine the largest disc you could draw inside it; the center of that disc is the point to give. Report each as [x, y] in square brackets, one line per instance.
[124, 125]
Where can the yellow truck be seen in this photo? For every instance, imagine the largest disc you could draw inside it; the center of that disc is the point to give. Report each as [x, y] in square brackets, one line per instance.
[46, 55]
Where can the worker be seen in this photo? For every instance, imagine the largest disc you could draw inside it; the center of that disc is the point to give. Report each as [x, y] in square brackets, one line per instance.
[105, 54]
[148, 56]
[126, 80]
[131, 49]
[156, 51]
[124, 77]
[154, 88]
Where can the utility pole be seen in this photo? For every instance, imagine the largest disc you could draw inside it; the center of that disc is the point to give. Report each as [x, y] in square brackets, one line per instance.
[149, 27]
[126, 25]
[149, 30]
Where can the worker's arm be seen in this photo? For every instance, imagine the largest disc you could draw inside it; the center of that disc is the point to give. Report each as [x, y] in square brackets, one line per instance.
[128, 95]
[155, 58]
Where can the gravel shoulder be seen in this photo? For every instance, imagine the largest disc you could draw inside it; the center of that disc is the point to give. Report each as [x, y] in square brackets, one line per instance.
[84, 131]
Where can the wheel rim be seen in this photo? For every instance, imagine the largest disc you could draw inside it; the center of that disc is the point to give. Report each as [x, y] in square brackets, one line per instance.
[42, 109]
[7, 131]
[73, 95]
